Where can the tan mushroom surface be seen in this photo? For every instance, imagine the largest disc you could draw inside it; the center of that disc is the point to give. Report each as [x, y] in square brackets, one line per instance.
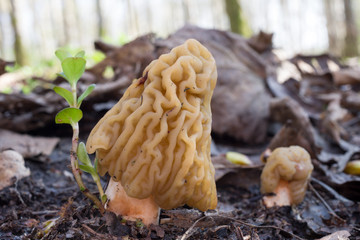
[288, 167]
[156, 140]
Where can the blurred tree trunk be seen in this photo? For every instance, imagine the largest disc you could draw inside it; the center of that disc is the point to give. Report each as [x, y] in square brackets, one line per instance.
[57, 22]
[101, 30]
[236, 18]
[20, 57]
[185, 6]
[351, 42]
[2, 50]
[334, 27]
[70, 18]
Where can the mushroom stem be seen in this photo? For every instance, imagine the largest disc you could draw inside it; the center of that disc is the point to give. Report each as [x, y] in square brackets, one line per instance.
[131, 208]
[282, 196]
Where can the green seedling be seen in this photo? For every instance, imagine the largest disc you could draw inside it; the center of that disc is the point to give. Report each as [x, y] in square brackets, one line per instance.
[73, 67]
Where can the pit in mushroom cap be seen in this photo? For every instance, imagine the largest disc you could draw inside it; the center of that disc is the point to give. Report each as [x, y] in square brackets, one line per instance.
[156, 139]
[291, 164]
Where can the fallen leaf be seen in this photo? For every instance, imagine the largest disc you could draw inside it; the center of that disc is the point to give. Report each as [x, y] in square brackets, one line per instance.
[347, 76]
[339, 235]
[28, 146]
[261, 41]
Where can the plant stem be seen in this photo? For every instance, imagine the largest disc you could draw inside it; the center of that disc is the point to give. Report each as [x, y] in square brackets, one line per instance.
[101, 191]
[77, 172]
[74, 94]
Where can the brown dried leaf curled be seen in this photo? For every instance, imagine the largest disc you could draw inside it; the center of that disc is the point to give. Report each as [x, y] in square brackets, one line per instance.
[156, 139]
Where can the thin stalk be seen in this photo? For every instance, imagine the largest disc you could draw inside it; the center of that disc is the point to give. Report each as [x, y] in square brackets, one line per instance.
[73, 91]
[77, 172]
[101, 191]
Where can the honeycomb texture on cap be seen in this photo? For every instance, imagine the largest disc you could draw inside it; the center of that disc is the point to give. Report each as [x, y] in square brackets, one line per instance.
[156, 139]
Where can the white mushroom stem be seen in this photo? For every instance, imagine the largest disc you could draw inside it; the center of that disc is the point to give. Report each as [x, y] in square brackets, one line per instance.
[131, 208]
[282, 196]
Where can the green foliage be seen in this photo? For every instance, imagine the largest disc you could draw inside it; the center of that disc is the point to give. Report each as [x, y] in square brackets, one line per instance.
[108, 72]
[86, 164]
[139, 223]
[62, 55]
[86, 93]
[80, 54]
[104, 198]
[73, 69]
[66, 94]
[69, 115]
[97, 57]
[29, 85]
[13, 68]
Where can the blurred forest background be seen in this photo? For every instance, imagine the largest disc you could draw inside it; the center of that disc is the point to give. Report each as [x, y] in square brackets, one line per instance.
[31, 30]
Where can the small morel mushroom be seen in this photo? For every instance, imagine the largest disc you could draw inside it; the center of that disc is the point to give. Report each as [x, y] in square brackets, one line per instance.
[286, 173]
[155, 142]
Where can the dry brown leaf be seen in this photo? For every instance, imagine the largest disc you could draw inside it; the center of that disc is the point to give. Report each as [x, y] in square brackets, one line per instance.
[347, 76]
[28, 146]
[339, 235]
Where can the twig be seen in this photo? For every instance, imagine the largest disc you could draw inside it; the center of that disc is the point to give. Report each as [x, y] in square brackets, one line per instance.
[190, 231]
[331, 190]
[238, 231]
[18, 193]
[90, 230]
[45, 212]
[332, 212]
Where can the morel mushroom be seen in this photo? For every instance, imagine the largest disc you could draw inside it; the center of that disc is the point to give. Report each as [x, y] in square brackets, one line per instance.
[155, 142]
[286, 173]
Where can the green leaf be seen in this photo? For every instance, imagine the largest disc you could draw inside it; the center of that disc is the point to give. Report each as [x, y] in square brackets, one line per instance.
[62, 74]
[85, 94]
[73, 69]
[69, 115]
[66, 94]
[88, 169]
[82, 154]
[103, 198]
[96, 162]
[62, 55]
[80, 54]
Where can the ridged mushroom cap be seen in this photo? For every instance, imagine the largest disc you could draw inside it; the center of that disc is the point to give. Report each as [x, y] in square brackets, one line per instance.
[156, 139]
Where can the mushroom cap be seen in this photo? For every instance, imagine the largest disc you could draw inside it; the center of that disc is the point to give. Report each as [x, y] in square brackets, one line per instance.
[292, 164]
[156, 139]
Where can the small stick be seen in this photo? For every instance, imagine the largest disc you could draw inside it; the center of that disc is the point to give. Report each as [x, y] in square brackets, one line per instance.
[332, 212]
[18, 193]
[190, 231]
[90, 230]
[331, 190]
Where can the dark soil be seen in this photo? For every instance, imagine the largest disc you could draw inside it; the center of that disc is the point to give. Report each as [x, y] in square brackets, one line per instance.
[50, 194]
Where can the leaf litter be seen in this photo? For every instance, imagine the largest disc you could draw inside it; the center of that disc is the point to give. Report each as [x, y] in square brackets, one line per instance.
[262, 101]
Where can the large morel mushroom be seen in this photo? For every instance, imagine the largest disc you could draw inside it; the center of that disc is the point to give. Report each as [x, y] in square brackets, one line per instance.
[155, 142]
